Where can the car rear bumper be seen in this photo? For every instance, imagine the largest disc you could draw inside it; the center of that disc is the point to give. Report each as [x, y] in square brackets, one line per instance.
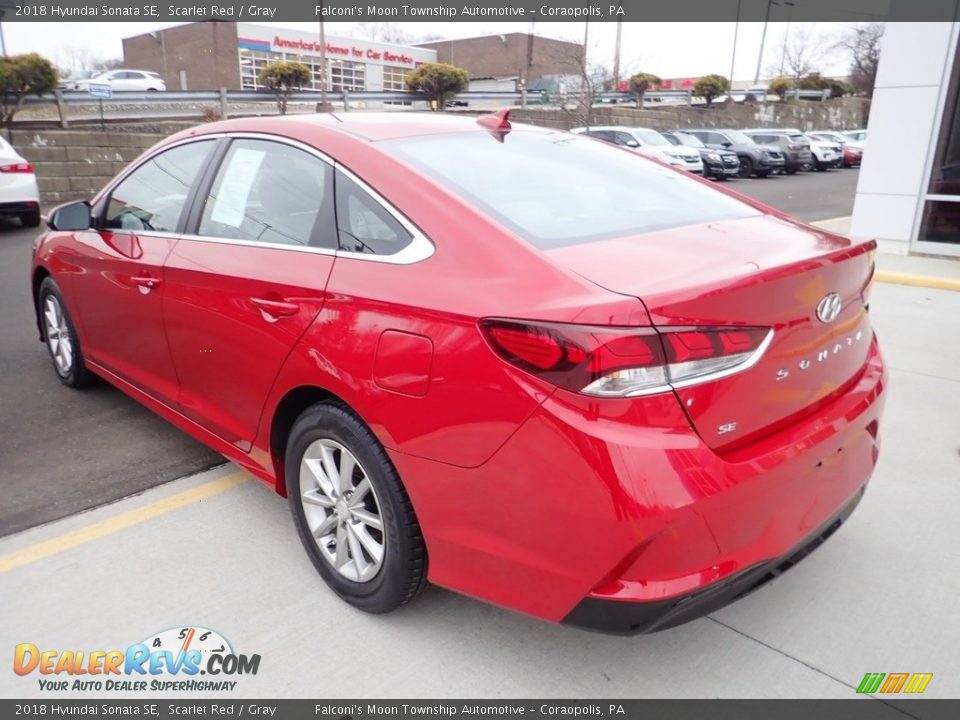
[19, 207]
[632, 618]
[620, 504]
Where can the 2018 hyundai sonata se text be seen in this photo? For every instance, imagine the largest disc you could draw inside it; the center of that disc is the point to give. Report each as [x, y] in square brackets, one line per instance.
[522, 364]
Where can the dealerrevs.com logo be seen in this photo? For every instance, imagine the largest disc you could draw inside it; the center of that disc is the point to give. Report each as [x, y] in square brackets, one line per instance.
[179, 659]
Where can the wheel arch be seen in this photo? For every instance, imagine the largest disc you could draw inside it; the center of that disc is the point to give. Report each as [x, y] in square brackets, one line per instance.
[40, 274]
[290, 407]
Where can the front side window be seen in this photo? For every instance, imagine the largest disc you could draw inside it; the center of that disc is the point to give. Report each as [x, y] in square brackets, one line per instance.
[365, 225]
[153, 196]
[270, 192]
[558, 189]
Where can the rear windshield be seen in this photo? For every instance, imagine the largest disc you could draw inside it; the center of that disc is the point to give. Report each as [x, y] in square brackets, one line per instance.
[558, 189]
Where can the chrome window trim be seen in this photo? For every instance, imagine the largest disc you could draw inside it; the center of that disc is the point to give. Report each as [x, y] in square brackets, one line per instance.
[108, 190]
[258, 244]
[419, 248]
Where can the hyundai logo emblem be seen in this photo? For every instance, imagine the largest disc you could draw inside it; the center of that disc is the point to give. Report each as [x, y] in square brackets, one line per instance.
[828, 308]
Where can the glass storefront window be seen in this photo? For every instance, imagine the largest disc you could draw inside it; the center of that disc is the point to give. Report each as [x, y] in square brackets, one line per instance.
[941, 222]
[941, 217]
[945, 174]
[343, 74]
[394, 78]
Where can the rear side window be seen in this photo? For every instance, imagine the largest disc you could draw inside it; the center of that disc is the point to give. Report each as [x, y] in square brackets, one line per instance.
[558, 189]
[365, 226]
[271, 192]
[153, 196]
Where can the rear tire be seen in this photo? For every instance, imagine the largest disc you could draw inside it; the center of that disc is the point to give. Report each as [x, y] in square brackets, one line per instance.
[358, 527]
[30, 219]
[60, 337]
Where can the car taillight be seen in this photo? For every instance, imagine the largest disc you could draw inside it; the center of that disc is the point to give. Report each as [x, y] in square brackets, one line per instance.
[794, 146]
[17, 167]
[624, 362]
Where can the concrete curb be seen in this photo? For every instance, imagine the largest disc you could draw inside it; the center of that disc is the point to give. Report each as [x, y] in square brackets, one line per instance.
[926, 281]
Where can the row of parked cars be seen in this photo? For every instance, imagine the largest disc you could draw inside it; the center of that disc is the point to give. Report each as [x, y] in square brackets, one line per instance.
[723, 153]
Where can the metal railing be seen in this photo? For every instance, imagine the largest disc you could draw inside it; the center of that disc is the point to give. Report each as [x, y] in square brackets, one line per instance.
[224, 102]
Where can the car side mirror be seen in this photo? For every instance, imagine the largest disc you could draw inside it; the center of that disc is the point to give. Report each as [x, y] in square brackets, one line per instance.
[72, 216]
[632, 144]
[726, 143]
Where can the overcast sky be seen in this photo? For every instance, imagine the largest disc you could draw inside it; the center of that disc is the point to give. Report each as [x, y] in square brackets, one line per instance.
[670, 50]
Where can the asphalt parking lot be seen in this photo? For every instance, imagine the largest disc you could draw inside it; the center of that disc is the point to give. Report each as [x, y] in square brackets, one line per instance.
[219, 550]
[63, 451]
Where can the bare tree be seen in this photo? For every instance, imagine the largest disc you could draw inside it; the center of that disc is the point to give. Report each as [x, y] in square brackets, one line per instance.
[588, 81]
[72, 57]
[862, 44]
[388, 32]
[803, 52]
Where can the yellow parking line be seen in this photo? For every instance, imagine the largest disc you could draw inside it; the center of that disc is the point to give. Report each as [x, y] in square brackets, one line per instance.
[927, 281]
[45, 549]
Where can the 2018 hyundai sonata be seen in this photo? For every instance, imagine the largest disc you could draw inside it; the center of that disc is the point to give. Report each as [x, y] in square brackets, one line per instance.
[525, 365]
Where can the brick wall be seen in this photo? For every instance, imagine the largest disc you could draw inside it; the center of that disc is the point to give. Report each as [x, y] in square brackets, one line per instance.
[837, 114]
[73, 165]
[492, 56]
[206, 51]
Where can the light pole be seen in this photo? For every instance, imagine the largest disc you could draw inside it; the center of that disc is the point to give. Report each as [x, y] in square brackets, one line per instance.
[616, 56]
[324, 107]
[733, 55]
[786, 38]
[763, 37]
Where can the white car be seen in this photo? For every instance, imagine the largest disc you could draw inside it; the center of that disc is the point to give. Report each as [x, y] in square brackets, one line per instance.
[121, 80]
[19, 195]
[649, 143]
[859, 136]
[826, 154]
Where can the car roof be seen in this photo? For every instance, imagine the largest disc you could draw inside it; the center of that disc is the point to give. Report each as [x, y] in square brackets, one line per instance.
[372, 126]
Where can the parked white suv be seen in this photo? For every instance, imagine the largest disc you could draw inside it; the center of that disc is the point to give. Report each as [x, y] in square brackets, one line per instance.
[647, 142]
[121, 80]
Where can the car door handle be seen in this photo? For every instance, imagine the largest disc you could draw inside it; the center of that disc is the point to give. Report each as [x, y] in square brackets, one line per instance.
[275, 308]
[145, 283]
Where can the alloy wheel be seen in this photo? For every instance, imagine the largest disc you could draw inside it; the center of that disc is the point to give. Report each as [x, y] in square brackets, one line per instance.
[59, 339]
[342, 510]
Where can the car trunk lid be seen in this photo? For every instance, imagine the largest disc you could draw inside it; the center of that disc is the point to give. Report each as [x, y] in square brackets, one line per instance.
[760, 271]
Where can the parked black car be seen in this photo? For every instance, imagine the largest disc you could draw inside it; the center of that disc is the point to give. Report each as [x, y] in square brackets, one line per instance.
[794, 146]
[719, 164]
[759, 160]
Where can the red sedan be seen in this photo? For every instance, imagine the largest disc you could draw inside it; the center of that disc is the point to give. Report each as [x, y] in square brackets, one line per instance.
[518, 363]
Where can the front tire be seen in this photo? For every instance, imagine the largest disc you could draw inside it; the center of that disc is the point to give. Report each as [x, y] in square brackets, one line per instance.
[746, 168]
[60, 336]
[351, 511]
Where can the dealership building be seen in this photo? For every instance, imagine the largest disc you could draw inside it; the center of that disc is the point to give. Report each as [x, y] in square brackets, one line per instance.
[908, 193]
[213, 55]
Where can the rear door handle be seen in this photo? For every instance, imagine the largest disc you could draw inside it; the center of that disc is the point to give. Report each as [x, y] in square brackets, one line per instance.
[275, 308]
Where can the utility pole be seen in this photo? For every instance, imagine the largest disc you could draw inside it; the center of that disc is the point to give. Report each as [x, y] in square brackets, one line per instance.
[733, 55]
[763, 41]
[616, 57]
[324, 105]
